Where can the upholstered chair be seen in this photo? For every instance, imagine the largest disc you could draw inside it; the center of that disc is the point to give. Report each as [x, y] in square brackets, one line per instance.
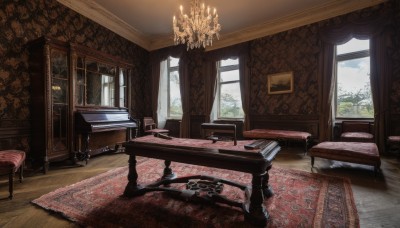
[357, 131]
[150, 127]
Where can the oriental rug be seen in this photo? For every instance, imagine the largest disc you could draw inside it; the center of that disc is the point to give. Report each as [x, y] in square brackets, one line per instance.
[300, 199]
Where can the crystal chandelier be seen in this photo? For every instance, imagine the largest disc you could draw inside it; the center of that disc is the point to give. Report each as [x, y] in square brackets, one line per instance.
[197, 30]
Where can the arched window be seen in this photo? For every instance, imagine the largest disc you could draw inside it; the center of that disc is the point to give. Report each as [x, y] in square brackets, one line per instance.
[353, 86]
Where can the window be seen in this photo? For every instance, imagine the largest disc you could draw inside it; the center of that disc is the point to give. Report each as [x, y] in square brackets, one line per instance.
[170, 103]
[353, 89]
[107, 96]
[229, 100]
[123, 101]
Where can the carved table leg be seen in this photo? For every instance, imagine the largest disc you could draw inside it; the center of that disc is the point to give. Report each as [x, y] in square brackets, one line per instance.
[168, 174]
[257, 214]
[267, 190]
[133, 188]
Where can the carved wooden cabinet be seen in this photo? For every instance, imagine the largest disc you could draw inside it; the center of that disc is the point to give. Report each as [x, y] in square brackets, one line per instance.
[50, 101]
[65, 79]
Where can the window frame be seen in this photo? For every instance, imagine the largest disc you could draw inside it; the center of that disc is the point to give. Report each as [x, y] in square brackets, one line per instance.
[221, 69]
[346, 57]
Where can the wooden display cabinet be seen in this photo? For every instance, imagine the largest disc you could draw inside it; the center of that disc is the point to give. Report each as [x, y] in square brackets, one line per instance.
[50, 101]
[67, 79]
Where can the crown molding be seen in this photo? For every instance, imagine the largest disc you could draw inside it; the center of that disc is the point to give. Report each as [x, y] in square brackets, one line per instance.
[334, 8]
[301, 18]
[102, 16]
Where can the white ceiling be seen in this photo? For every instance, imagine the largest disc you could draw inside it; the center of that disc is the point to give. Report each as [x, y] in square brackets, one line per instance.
[148, 23]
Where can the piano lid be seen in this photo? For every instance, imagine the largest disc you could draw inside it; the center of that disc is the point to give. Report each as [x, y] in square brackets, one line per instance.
[97, 121]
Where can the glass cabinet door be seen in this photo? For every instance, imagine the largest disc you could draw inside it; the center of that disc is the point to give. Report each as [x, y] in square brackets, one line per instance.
[123, 77]
[95, 83]
[59, 91]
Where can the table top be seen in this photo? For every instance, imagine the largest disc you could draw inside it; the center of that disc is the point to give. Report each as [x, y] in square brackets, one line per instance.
[221, 154]
[202, 144]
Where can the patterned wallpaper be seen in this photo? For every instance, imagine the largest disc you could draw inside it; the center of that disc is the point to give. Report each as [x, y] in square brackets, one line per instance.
[197, 82]
[298, 50]
[394, 53]
[22, 21]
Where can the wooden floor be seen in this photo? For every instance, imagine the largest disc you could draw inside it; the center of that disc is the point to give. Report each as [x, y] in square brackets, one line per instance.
[377, 198]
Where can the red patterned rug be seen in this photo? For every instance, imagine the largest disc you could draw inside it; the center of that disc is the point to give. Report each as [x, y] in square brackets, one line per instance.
[300, 199]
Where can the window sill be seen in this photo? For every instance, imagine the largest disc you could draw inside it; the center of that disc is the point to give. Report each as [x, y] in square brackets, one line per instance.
[236, 120]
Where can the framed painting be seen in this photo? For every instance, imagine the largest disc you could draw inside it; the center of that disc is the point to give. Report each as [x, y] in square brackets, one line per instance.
[280, 83]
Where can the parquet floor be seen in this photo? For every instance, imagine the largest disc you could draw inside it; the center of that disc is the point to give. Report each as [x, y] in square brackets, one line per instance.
[377, 198]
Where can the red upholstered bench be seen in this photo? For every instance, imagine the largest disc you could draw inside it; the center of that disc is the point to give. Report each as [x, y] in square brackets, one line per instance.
[11, 161]
[278, 135]
[355, 152]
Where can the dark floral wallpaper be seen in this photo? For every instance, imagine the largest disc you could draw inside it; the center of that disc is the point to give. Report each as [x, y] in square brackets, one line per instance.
[197, 82]
[22, 21]
[298, 50]
[394, 53]
[295, 50]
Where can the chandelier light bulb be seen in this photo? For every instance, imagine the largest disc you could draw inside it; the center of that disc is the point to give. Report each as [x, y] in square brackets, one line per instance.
[198, 29]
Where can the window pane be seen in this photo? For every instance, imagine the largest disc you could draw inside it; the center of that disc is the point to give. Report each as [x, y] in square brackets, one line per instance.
[230, 101]
[173, 62]
[122, 88]
[229, 62]
[353, 45]
[175, 103]
[227, 76]
[354, 98]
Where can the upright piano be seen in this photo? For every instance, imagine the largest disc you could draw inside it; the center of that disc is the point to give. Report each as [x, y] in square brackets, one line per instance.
[88, 122]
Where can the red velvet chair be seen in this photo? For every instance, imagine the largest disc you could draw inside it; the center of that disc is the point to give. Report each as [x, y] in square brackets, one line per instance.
[150, 127]
[357, 131]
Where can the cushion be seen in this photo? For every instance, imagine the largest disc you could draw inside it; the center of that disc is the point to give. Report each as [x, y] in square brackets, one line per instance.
[357, 137]
[358, 152]
[270, 134]
[11, 159]
[394, 139]
[157, 130]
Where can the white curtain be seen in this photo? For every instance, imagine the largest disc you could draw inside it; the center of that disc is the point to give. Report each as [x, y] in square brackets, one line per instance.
[162, 111]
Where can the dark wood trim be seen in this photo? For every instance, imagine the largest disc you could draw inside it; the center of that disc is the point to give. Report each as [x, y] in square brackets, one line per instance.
[14, 132]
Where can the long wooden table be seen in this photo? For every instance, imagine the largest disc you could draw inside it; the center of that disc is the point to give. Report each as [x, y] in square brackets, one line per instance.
[220, 154]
